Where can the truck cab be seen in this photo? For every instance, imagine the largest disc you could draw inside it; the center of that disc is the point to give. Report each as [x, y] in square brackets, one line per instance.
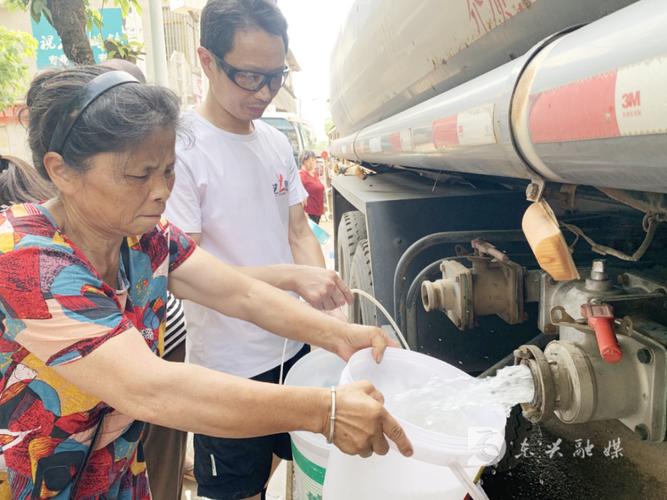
[298, 132]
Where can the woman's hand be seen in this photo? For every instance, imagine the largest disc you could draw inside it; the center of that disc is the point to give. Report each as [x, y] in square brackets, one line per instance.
[356, 337]
[362, 424]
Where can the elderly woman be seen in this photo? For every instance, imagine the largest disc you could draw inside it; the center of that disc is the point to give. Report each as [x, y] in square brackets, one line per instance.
[83, 281]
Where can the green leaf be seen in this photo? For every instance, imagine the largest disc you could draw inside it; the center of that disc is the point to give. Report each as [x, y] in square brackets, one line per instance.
[47, 13]
[18, 47]
[94, 19]
[137, 6]
[12, 5]
[36, 7]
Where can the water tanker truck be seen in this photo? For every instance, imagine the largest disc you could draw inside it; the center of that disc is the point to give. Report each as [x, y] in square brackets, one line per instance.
[511, 200]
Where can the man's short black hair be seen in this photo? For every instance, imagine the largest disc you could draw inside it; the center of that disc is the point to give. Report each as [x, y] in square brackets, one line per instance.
[221, 19]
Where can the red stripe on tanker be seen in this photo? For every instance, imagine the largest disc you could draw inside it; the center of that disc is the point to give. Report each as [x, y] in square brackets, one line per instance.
[629, 101]
[444, 132]
[579, 111]
[395, 141]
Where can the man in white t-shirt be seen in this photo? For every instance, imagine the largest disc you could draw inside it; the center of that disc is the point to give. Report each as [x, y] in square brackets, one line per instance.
[238, 193]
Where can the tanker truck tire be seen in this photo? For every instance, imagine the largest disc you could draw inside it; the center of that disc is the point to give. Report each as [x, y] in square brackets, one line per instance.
[351, 230]
[517, 429]
[362, 311]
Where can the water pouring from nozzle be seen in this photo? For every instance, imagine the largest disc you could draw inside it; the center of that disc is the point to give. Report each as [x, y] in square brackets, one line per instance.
[440, 405]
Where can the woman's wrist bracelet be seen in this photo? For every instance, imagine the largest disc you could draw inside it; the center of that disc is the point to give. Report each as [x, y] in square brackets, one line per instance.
[332, 416]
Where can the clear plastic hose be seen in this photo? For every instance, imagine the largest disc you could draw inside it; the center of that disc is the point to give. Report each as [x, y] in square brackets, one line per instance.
[393, 324]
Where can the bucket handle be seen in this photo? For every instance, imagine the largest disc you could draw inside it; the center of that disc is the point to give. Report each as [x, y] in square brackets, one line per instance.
[475, 491]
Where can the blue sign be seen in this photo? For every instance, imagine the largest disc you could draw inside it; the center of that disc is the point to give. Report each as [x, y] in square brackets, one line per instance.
[50, 49]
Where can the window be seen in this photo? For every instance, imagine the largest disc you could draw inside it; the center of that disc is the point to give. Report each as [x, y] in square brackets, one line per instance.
[181, 34]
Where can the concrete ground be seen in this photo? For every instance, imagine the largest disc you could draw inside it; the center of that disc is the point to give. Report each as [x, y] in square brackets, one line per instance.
[278, 484]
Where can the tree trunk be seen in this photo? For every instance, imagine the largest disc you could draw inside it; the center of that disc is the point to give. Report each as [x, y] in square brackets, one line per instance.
[69, 20]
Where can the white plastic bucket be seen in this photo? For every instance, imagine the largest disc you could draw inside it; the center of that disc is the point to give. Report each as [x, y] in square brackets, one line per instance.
[443, 465]
[310, 452]
[390, 477]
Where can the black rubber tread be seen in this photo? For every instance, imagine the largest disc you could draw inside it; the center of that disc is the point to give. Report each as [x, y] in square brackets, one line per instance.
[351, 230]
[516, 429]
[361, 276]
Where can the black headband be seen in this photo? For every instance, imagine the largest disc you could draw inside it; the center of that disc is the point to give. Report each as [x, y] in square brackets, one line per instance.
[89, 92]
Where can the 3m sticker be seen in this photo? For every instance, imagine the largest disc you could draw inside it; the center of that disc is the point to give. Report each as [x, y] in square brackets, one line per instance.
[641, 98]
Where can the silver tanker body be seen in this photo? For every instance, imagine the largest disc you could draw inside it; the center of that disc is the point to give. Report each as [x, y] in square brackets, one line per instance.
[476, 123]
[584, 107]
[392, 55]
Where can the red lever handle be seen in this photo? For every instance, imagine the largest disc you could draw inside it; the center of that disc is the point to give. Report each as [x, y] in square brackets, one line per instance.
[601, 319]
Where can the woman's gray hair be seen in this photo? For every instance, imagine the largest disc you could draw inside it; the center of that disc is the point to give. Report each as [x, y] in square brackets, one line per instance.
[117, 121]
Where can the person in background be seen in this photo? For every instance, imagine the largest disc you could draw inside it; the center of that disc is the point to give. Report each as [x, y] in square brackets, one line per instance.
[123, 65]
[20, 182]
[314, 206]
[83, 280]
[239, 195]
[164, 448]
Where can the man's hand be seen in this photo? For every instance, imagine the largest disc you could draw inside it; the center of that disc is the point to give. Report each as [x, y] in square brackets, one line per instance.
[321, 288]
[338, 313]
[357, 337]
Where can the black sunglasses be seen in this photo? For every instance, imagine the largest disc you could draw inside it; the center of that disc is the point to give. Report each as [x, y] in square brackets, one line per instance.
[253, 81]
